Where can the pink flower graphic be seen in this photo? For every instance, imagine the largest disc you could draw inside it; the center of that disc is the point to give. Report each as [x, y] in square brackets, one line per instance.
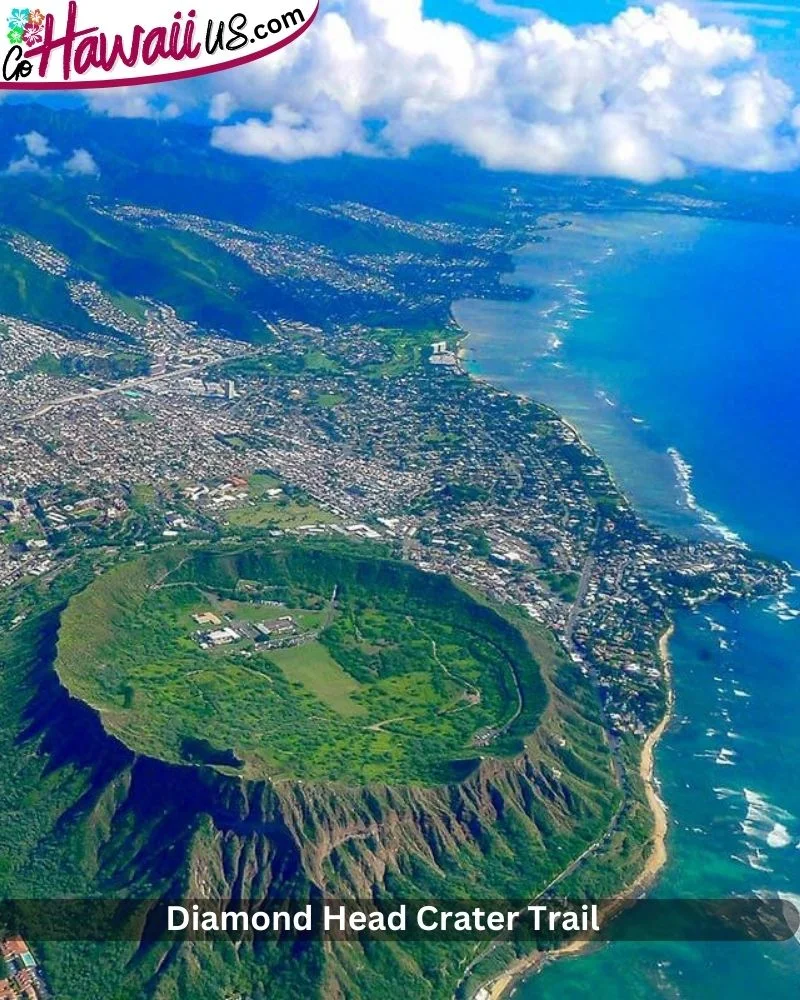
[33, 34]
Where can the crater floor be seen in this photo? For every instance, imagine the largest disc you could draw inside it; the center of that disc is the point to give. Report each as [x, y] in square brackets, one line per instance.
[313, 663]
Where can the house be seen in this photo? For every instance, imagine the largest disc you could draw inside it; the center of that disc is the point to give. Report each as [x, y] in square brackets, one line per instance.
[223, 637]
[23, 982]
[207, 618]
[13, 948]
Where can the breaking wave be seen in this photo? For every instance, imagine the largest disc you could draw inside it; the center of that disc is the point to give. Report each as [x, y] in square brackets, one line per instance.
[765, 821]
[684, 474]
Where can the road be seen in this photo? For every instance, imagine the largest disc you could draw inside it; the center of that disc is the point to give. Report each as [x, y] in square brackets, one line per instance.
[580, 596]
[124, 386]
[571, 868]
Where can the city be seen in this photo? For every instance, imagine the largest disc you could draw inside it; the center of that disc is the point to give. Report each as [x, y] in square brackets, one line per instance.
[365, 434]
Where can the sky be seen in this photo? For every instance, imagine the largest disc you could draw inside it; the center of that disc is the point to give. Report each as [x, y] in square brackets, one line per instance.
[491, 18]
[591, 87]
[776, 24]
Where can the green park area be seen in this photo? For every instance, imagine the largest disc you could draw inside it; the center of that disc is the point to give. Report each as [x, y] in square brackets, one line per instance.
[268, 507]
[294, 661]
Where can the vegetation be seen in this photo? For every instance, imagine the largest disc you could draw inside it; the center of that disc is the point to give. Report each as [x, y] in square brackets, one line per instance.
[563, 584]
[41, 298]
[82, 817]
[391, 674]
[393, 679]
[281, 513]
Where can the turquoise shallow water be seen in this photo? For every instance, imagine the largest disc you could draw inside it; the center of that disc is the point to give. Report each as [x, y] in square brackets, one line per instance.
[673, 344]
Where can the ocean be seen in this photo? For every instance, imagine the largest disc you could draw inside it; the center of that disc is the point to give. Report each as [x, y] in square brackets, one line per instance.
[672, 343]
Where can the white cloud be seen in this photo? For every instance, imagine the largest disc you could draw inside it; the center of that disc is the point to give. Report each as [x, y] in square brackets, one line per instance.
[221, 106]
[81, 164]
[36, 144]
[644, 97]
[506, 11]
[131, 102]
[25, 165]
[649, 95]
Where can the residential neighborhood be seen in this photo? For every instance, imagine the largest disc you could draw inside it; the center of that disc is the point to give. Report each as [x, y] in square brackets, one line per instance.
[330, 433]
[24, 979]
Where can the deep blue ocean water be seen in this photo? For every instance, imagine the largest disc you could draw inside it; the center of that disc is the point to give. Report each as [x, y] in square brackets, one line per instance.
[673, 344]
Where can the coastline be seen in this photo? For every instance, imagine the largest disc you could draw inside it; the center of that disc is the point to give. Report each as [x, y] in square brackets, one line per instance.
[503, 984]
[507, 981]
[461, 337]
[753, 659]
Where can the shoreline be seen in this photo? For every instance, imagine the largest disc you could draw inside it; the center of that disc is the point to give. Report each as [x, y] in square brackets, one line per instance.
[527, 966]
[462, 335]
[507, 981]
[700, 522]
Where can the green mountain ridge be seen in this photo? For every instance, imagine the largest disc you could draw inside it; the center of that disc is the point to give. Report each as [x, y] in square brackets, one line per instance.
[116, 823]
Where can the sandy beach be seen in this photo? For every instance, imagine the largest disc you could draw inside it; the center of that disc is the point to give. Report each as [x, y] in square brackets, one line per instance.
[504, 983]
